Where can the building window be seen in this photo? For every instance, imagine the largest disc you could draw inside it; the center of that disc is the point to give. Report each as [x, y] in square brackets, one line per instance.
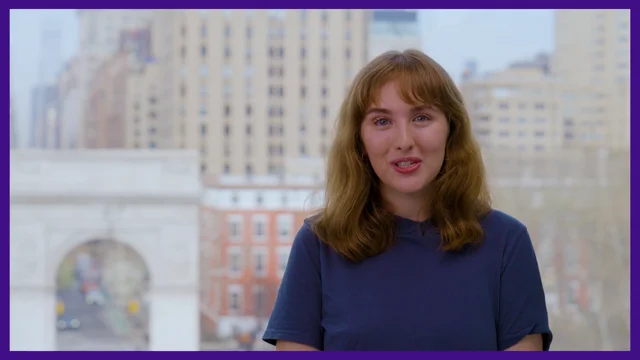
[260, 309]
[248, 71]
[227, 71]
[235, 227]
[260, 260]
[235, 298]
[285, 225]
[259, 227]
[283, 258]
[235, 263]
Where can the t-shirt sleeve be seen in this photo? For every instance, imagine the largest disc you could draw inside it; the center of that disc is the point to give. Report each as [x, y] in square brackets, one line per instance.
[523, 309]
[297, 313]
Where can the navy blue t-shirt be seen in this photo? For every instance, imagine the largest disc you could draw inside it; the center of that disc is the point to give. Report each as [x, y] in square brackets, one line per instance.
[414, 296]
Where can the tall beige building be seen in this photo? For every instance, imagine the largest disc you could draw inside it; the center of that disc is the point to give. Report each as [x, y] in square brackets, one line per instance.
[515, 109]
[592, 54]
[248, 88]
[578, 99]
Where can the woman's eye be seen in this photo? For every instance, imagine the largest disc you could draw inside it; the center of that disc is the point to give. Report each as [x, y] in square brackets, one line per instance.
[422, 118]
[382, 122]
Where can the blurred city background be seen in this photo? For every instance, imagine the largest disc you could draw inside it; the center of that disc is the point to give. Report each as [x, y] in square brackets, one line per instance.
[250, 96]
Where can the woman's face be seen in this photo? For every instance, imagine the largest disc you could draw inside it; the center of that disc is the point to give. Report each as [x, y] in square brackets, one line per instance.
[404, 143]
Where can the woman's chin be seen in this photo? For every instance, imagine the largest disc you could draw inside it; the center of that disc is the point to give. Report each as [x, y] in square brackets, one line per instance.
[406, 188]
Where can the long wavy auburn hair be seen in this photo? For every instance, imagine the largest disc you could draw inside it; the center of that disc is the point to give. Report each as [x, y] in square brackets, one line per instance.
[355, 221]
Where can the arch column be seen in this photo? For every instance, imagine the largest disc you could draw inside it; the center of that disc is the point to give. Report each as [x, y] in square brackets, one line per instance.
[32, 319]
[174, 321]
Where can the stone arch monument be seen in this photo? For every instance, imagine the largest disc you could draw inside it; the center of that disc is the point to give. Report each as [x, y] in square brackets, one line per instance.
[148, 200]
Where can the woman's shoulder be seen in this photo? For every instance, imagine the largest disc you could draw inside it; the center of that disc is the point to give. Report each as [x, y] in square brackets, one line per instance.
[306, 237]
[503, 229]
[501, 220]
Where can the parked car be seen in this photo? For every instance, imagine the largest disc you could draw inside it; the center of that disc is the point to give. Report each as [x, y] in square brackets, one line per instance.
[67, 322]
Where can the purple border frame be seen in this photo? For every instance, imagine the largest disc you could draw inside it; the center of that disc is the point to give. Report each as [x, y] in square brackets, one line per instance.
[333, 4]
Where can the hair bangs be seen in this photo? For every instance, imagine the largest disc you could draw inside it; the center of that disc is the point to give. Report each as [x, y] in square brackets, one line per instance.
[419, 82]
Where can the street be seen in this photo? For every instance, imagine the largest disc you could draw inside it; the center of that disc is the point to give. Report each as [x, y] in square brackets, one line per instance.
[94, 333]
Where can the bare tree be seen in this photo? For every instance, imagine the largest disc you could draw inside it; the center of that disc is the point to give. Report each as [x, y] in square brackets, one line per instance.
[580, 198]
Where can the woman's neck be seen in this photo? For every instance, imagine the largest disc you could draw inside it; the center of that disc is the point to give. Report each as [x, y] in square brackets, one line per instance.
[410, 206]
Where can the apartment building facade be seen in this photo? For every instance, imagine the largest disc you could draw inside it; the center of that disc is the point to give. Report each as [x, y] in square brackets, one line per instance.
[99, 40]
[515, 109]
[105, 121]
[580, 94]
[593, 54]
[232, 85]
[247, 232]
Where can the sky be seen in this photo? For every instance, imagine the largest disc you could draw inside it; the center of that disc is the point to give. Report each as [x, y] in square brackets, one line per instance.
[494, 38]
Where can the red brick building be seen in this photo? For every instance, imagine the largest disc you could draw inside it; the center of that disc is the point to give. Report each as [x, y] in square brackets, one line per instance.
[246, 237]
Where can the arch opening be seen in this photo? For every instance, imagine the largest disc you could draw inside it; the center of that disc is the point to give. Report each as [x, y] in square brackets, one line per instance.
[101, 298]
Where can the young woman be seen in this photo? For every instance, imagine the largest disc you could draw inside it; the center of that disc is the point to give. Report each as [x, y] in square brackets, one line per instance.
[407, 253]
